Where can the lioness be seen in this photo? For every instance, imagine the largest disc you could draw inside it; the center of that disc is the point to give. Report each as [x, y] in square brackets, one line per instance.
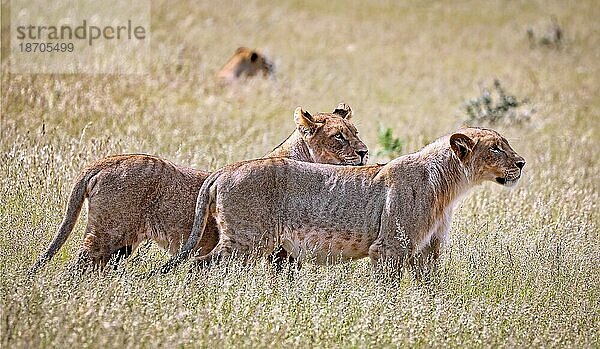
[392, 213]
[132, 198]
[245, 62]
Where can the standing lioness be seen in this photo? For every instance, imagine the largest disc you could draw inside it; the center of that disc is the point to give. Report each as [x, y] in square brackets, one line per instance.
[390, 212]
[132, 198]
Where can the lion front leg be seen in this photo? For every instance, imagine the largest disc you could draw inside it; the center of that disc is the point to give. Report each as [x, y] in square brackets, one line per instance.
[426, 261]
[432, 253]
[388, 257]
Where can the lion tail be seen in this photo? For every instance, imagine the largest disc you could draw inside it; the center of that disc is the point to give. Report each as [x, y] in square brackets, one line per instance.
[76, 199]
[203, 203]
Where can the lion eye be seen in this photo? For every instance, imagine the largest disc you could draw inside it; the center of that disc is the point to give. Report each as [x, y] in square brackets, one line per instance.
[339, 137]
[496, 149]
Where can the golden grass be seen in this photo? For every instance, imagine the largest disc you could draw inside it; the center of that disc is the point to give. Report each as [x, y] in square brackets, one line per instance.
[521, 269]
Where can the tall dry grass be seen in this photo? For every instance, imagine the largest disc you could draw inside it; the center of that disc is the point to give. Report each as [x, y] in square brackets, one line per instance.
[522, 267]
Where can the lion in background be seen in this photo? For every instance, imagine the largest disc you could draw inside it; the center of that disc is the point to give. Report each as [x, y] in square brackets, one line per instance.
[133, 198]
[394, 213]
[245, 63]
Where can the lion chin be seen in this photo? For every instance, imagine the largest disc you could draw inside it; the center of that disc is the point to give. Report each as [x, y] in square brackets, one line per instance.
[507, 182]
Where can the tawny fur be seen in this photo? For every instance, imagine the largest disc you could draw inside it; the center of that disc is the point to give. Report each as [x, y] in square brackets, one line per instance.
[245, 63]
[132, 198]
[392, 213]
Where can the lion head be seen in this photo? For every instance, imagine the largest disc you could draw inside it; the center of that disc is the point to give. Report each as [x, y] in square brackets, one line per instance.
[487, 156]
[245, 63]
[331, 137]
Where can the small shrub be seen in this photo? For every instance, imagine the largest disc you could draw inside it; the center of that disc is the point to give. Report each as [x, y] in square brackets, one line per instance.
[496, 106]
[552, 37]
[390, 146]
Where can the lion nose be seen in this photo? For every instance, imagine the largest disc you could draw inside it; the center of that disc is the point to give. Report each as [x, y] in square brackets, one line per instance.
[269, 67]
[362, 154]
[520, 164]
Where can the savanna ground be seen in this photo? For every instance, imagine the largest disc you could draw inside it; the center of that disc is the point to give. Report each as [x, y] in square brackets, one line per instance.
[522, 268]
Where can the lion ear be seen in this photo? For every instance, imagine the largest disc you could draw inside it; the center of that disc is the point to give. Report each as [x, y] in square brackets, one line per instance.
[343, 110]
[461, 145]
[304, 122]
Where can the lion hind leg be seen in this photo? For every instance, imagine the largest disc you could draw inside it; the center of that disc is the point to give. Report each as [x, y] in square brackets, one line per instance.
[280, 258]
[243, 246]
[212, 258]
[95, 251]
[102, 248]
